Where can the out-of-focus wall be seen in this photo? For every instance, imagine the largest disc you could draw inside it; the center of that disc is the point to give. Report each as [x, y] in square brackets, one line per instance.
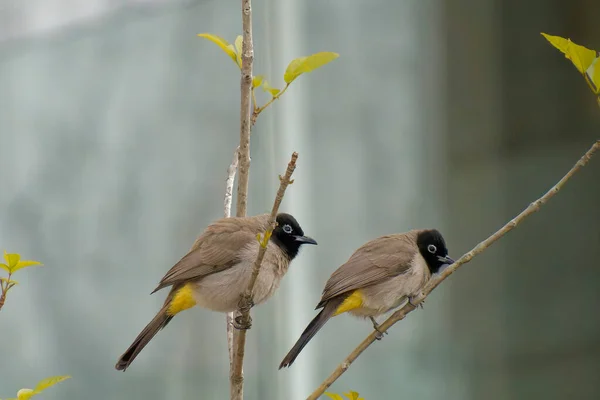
[524, 315]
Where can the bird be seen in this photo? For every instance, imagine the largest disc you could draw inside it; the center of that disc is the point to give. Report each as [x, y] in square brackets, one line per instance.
[379, 276]
[218, 268]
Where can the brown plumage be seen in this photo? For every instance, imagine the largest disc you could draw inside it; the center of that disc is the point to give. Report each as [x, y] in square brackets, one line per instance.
[218, 268]
[378, 277]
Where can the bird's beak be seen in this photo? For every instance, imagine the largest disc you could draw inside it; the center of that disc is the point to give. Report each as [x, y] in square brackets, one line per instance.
[446, 260]
[305, 240]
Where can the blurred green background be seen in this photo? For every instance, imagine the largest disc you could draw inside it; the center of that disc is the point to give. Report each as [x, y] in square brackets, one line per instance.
[117, 124]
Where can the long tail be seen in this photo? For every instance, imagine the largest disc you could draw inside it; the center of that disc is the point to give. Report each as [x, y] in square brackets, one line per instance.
[311, 330]
[158, 322]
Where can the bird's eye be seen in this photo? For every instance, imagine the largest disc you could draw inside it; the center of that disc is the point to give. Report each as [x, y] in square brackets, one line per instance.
[432, 249]
[287, 229]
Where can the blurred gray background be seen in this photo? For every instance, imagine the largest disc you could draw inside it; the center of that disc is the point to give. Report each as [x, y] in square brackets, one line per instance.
[117, 124]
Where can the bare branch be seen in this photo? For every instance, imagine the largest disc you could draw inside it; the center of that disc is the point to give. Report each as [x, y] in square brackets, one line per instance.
[438, 278]
[246, 299]
[227, 213]
[246, 108]
[236, 374]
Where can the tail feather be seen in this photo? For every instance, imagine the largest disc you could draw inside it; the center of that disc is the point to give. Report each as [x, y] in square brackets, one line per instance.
[158, 322]
[311, 330]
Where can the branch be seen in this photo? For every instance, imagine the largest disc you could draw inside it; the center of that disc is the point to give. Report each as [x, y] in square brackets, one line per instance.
[236, 373]
[436, 280]
[246, 299]
[246, 108]
[5, 286]
[227, 213]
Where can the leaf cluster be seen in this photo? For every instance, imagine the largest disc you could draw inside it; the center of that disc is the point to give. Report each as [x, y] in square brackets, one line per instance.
[295, 68]
[586, 61]
[12, 265]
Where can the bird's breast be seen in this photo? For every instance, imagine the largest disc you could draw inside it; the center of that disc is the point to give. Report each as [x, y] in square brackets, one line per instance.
[221, 291]
[384, 296]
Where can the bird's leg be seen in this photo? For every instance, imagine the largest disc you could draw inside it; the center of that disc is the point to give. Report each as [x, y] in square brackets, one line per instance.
[376, 327]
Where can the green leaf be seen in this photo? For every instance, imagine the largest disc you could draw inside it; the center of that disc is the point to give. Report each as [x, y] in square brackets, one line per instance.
[303, 65]
[223, 44]
[352, 395]
[334, 396]
[25, 264]
[238, 50]
[11, 259]
[48, 382]
[257, 81]
[580, 56]
[267, 88]
[4, 267]
[25, 394]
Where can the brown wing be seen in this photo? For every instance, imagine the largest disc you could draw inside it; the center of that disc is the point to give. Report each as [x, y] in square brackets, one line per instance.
[373, 262]
[217, 249]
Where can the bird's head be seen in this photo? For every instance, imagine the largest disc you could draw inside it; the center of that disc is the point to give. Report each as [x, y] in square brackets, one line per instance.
[289, 236]
[432, 247]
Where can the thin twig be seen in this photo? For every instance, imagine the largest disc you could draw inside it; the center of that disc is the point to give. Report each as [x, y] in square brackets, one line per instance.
[227, 213]
[2, 296]
[246, 299]
[236, 373]
[258, 110]
[436, 280]
[5, 286]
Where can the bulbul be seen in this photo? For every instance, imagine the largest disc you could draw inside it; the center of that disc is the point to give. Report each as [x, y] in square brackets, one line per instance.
[218, 268]
[380, 276]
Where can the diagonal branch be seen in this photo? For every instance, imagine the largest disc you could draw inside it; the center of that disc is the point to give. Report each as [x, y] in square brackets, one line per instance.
[436, 280]
[236, 377]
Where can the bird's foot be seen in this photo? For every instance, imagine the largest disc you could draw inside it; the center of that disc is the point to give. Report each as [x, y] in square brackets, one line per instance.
[413, 304]
[242, 324]
[246, 302]
[376, 327]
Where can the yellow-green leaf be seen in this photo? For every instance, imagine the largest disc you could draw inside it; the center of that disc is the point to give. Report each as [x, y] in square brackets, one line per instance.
[9, 281]
[25, 394]
[11, 259]
[257, 81]
[24, 264]
[593, 75]
[238, 50]
[303, 65]
[223, 44]
[267, 88]
[334, 396]
[580, 56]
[352, 395]
[5, 267]
[46, 383]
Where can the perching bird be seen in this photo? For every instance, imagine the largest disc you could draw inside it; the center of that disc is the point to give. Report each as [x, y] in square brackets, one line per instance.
[217, 270]
[380, 276]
